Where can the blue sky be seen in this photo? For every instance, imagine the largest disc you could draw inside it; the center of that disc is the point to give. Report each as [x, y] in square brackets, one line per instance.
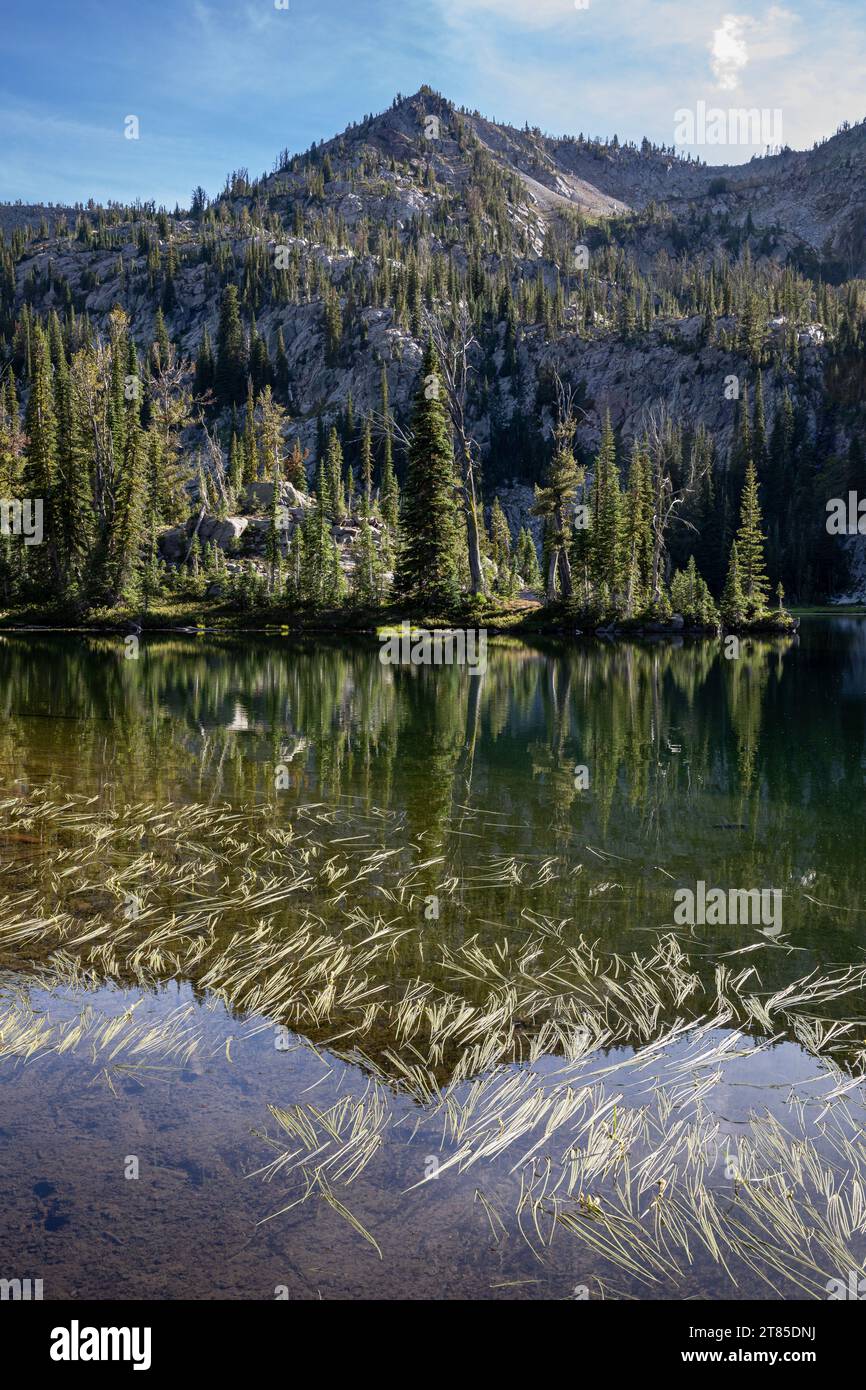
[219, 84]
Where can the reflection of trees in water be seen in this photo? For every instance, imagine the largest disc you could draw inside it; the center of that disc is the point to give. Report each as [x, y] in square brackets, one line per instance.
[658, 726]
[741, 772]
[747, 677]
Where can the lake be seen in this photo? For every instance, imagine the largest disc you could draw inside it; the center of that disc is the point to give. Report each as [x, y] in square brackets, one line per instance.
[326, 978]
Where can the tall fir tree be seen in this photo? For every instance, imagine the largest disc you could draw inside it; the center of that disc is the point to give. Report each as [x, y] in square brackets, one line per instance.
[428, 564]
[750, 547]
[230, 375]
[40, 471]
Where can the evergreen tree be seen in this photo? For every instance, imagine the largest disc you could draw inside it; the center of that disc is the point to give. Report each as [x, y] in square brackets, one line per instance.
[230, 377]
[733, 604]
[367, 468]
[389, 492]
[750, 547]
[322, 581]
[274, 547]
[607, 554]
[281, 366]
[296, 473]
[500, 536]
[427, 569]
[333, 324]
[368, 578]
[204, 366]
[40, 471]
[251, 445]
[236, 468]
[125, 545]
[75, 520]
[527, 559]
[637, 539]
[334, 474]
[161, 347]
[553, 502]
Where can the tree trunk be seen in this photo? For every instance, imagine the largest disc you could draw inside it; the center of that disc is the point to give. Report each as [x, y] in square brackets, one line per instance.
[477, 582]
[551, 574]
[565, 583]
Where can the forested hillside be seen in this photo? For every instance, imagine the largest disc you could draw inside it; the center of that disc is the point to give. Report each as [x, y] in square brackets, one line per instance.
[436, 357]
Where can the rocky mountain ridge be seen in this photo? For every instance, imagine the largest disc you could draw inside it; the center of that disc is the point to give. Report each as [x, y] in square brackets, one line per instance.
[425, 189]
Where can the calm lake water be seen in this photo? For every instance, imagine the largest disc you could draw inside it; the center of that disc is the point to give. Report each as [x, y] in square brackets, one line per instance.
[440, 838]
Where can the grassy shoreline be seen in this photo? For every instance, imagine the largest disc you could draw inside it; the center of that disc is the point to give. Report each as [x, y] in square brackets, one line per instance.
[506, 617]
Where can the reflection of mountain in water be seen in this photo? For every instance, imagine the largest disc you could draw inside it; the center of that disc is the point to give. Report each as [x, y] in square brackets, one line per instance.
[739, 772]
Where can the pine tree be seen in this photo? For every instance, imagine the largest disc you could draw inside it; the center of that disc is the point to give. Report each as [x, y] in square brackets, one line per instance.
[40, 471]
[607, 556]
[691, 598]
[13, 556]
[76, 523]
[750, 547]
[322, 581]
[553, 502]
[260, 366]
[296, 473]
[389, 492]
[295, 568]
[427, 569]
[161, 346]
[251, 446]
[367, 468]
[281, 366]
[334, 474]
[368, 579]
[527, 559]
[733, 604]
[333, 324]
[230, 377]
[500, 535]
[204, 366]
[272, 420]
[274, 549]
[637, 538]
[236, 468]
[125, 544]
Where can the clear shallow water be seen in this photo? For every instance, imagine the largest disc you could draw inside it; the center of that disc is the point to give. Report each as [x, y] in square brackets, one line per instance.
[743, 774]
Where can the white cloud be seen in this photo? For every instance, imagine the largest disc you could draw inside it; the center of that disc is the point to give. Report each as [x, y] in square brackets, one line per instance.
[729, 50]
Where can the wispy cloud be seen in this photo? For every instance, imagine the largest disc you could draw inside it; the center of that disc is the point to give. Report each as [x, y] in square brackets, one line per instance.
[730, 53]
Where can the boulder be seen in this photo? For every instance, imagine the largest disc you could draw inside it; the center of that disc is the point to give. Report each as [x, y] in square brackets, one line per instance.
[259, 496]
[173, 544]
[215, 530]
[222, 531]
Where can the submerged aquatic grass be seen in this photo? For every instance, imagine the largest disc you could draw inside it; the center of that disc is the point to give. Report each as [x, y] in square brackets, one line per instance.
[586, 1080]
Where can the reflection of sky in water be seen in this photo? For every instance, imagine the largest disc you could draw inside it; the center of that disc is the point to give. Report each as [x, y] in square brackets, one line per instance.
[740, 774]
[189, 1225]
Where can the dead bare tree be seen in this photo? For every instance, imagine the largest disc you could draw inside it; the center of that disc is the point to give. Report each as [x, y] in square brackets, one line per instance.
[456, 345]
